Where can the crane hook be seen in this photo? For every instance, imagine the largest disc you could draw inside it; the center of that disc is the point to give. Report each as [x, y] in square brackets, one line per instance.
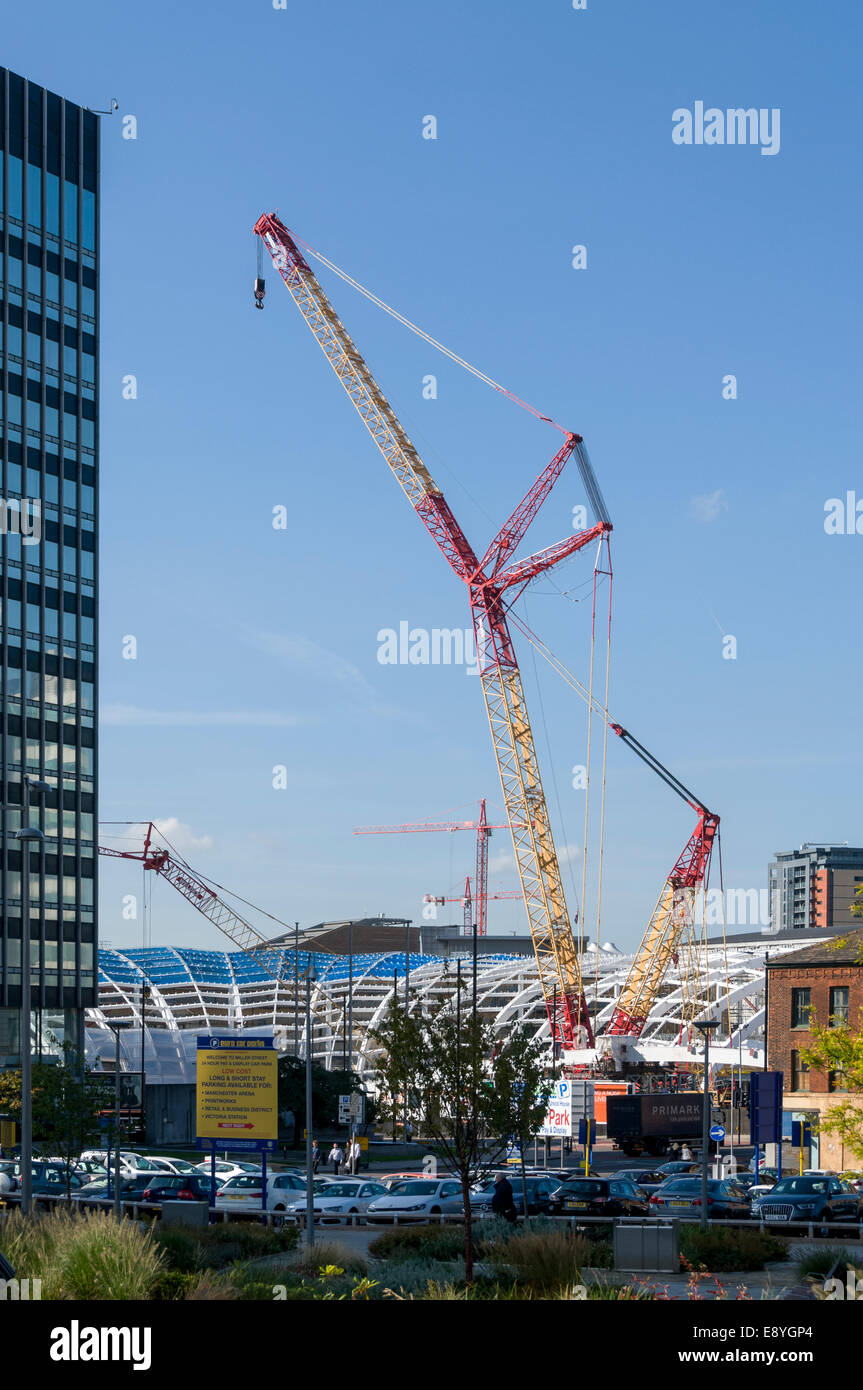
[260, 291]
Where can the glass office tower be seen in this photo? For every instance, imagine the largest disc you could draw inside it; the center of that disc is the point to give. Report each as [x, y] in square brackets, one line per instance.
[49, 218]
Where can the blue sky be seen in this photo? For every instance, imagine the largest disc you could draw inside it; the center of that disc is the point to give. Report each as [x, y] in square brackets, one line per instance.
[258, 647]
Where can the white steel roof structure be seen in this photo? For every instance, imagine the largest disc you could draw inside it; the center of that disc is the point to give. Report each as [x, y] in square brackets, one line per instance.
[194, 991]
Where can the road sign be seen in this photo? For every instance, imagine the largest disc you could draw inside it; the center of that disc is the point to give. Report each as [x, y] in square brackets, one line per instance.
[344, 1110]
[236, 1092]
[558, 1120]
[801, 1134]
[717, 1134]
[357, 1106]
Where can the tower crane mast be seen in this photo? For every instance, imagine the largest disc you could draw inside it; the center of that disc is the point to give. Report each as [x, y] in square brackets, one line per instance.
[494, 581]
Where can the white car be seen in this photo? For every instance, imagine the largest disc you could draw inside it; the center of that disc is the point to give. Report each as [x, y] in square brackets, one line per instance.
[130, 1162]
[181, 1166]
[339, 1200]
[244, 1192]
[225, 1170]
[416, 1199]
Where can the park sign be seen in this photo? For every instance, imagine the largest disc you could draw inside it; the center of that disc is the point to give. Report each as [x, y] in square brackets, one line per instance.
[237, 1092]
[558, 1119]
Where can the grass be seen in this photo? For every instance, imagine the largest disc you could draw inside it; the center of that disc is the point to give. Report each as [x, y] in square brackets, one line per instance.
[421, 1242]
[192, 1249]
[326, 1254]
[819, 1261]
[542, 1259]
[84, 1255]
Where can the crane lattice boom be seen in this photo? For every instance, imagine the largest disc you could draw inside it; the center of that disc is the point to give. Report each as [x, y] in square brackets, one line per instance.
[488, 581]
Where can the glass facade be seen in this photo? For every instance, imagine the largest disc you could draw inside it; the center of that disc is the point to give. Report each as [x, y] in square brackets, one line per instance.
[49, 218]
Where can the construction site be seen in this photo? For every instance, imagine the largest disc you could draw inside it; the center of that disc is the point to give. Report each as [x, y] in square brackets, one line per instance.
[600, 1011]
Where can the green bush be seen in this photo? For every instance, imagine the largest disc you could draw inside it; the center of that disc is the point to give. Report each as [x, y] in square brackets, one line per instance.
[721, 1249]
[819, 1261]
[414, 1275]
[173, 1284]
[420, 1242]
[546, 1259]
[327, 1253]
[192, 1248]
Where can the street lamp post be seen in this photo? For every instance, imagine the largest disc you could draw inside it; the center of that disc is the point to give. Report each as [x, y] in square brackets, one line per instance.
[705, 1027]
[310, 1176]
[116, 1029]
[27, 835]
[145, 995]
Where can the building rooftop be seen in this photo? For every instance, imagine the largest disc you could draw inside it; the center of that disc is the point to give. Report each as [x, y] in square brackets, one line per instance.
[842, 948]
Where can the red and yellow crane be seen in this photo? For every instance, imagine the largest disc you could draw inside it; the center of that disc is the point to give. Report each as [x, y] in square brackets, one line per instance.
[494, 581]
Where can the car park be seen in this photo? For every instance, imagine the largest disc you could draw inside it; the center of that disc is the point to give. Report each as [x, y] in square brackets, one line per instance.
[598, 1197]
[49, 1179]
[539, 1192]
[101, 1190]
[726, 1200]
[417, 1199]
[339, 1200]
[811, 1199]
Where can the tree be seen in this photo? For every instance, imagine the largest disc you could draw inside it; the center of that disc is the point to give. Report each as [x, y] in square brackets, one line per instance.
[523, 1090]
[465, 1091]
[839, 1050]
[67, 1102]
[327, 1086]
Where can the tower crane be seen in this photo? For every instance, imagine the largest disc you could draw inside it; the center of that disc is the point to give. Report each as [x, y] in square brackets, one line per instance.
[671, 917]
[494, 580]
[244, 936]
[483, 835]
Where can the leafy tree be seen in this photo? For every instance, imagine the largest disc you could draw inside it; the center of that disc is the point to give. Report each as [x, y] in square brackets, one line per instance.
[470, 1096]
[67, 1101]
[327, 1086]
[838, 1049]
[523, 1090]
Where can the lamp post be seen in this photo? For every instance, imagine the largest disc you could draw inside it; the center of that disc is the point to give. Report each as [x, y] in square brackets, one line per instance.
[310, 1176]
[27, 835]
[705, 1027]
[145, 995]
[116, 1029]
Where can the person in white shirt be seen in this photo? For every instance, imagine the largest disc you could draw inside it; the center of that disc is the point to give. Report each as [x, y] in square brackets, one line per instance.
[336, 1157]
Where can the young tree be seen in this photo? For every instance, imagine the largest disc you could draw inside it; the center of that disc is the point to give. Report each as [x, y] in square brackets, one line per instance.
[839, 1050]
[443, 1060]
[523, 1090]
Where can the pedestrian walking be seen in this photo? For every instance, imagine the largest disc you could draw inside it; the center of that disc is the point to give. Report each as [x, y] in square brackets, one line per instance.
[336, 1157]
[686, 1154]
[316, 1155]
[354, 1152]
[503, 1202]
[409, 1131]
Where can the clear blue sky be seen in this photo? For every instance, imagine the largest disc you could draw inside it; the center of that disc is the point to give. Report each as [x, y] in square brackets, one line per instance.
[259, 647]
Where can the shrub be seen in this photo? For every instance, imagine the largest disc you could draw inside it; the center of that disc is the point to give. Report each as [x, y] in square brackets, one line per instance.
[413, 1275]
[192, 1248]
[726, 1248]
[422, 1242]
[819, 1261]
[543, 1259]
[324, 1253]
[173, 1284]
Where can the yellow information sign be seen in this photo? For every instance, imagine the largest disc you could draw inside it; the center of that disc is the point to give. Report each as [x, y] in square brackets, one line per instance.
[237, 1089]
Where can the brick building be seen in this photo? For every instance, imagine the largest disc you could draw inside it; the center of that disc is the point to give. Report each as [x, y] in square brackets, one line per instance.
[829, 981]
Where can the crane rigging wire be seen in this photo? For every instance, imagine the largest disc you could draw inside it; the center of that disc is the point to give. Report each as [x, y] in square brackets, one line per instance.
[426, 337]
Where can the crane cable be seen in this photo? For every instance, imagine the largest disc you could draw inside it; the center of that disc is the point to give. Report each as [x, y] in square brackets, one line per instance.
[604, 767]
[426, 337]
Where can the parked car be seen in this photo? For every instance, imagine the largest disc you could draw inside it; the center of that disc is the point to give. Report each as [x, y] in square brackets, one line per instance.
[679, 1167]
[9, 1167]
[648, 1179]
[598, 1197]
[416, 1199]
[726, 1199]
[177, 1187]
[809, 1198]
[159, 1164]
[48, 1179]
[539, 1191]
[130, 1162]
[226, 1170]
[338, 1200]
[132, 1188]
[855, 1179]
[244, 1191]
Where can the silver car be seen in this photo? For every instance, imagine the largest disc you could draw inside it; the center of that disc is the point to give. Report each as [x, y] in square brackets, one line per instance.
[339, 1201]
[416, 1199]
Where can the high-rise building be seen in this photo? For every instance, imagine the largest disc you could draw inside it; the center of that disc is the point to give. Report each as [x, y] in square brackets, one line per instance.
[814, 886]
[49, 218]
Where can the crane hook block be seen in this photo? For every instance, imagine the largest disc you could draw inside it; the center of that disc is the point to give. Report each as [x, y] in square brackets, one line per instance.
[260, 291]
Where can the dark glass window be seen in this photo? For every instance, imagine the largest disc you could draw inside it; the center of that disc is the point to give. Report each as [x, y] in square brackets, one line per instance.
[800, 1008]
[839, 1006]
